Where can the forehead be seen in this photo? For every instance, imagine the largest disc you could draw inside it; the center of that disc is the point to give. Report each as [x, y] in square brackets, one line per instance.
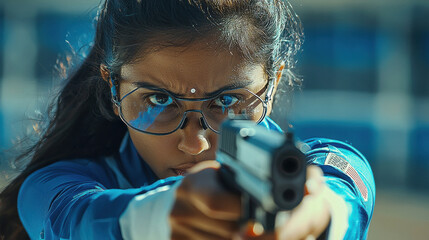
[181, 69]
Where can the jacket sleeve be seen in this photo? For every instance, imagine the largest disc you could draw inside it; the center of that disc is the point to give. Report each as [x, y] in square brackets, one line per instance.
[77, 200]
[349, 175]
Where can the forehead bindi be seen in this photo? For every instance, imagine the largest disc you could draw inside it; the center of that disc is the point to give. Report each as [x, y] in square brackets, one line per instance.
[192, 71]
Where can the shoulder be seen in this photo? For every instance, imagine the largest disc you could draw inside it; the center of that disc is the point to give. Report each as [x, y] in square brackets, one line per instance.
[326, 144]
[344, 167]
[338, 154]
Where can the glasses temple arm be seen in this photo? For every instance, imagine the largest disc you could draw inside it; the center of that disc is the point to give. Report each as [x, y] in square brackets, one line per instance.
[113, 88]
[270, 90]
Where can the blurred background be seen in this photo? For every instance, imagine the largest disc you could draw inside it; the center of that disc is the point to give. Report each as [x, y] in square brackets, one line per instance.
[365, 66]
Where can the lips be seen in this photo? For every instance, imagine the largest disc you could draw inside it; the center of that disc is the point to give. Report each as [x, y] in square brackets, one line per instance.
[179, 171]
[182, 169]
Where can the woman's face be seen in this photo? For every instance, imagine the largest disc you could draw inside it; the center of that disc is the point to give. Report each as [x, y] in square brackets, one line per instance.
[192, 72]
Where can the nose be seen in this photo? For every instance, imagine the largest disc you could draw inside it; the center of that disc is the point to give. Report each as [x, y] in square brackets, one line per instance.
[194, 138]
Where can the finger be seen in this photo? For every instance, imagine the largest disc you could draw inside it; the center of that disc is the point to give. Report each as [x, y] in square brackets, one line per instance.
[310, 237]
[315, 181]
[255, 231]
[203, 165]
[184, 213]
[310, 218]
[315, 172]
[252, 229]
[209, 197]
[187, 232]
[267, 236]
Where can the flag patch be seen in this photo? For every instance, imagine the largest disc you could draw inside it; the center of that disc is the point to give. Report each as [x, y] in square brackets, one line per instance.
[336, 161]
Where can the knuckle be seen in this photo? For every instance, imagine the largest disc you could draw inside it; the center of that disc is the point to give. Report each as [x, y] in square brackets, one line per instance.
[212, 204]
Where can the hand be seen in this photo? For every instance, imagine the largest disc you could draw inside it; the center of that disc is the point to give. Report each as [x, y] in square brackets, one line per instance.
[311, 217]
[203, 209]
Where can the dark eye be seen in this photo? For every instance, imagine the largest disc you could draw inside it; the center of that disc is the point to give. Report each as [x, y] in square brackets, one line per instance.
[226, 100]
[160, 100]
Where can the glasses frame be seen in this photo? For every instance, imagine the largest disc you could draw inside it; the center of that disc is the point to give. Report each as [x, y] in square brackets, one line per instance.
[269, 87]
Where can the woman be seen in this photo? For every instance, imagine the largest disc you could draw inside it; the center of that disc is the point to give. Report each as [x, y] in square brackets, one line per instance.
[144, 108]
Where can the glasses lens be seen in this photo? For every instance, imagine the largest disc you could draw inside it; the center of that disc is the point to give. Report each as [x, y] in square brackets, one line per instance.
[156, 111]
[236, 102]
[152, 111]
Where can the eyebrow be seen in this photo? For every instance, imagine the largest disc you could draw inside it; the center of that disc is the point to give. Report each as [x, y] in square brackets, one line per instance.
[231, 86]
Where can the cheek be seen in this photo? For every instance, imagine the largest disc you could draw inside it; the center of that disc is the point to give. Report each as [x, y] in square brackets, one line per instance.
[159, 152]
[269, 108]
[213, 138]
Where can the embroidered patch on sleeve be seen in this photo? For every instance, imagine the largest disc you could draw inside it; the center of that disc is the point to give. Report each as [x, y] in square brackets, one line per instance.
[336, 161]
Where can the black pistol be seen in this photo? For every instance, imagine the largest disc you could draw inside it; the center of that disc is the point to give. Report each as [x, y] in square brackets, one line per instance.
[266, 167]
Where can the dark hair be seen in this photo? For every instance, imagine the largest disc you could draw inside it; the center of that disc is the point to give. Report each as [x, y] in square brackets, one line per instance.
[83, 124]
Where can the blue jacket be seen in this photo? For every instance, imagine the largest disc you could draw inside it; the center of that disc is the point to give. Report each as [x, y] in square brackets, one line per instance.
[121, 198]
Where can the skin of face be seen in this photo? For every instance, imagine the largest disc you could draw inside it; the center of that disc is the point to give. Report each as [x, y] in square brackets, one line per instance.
[180, 70]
